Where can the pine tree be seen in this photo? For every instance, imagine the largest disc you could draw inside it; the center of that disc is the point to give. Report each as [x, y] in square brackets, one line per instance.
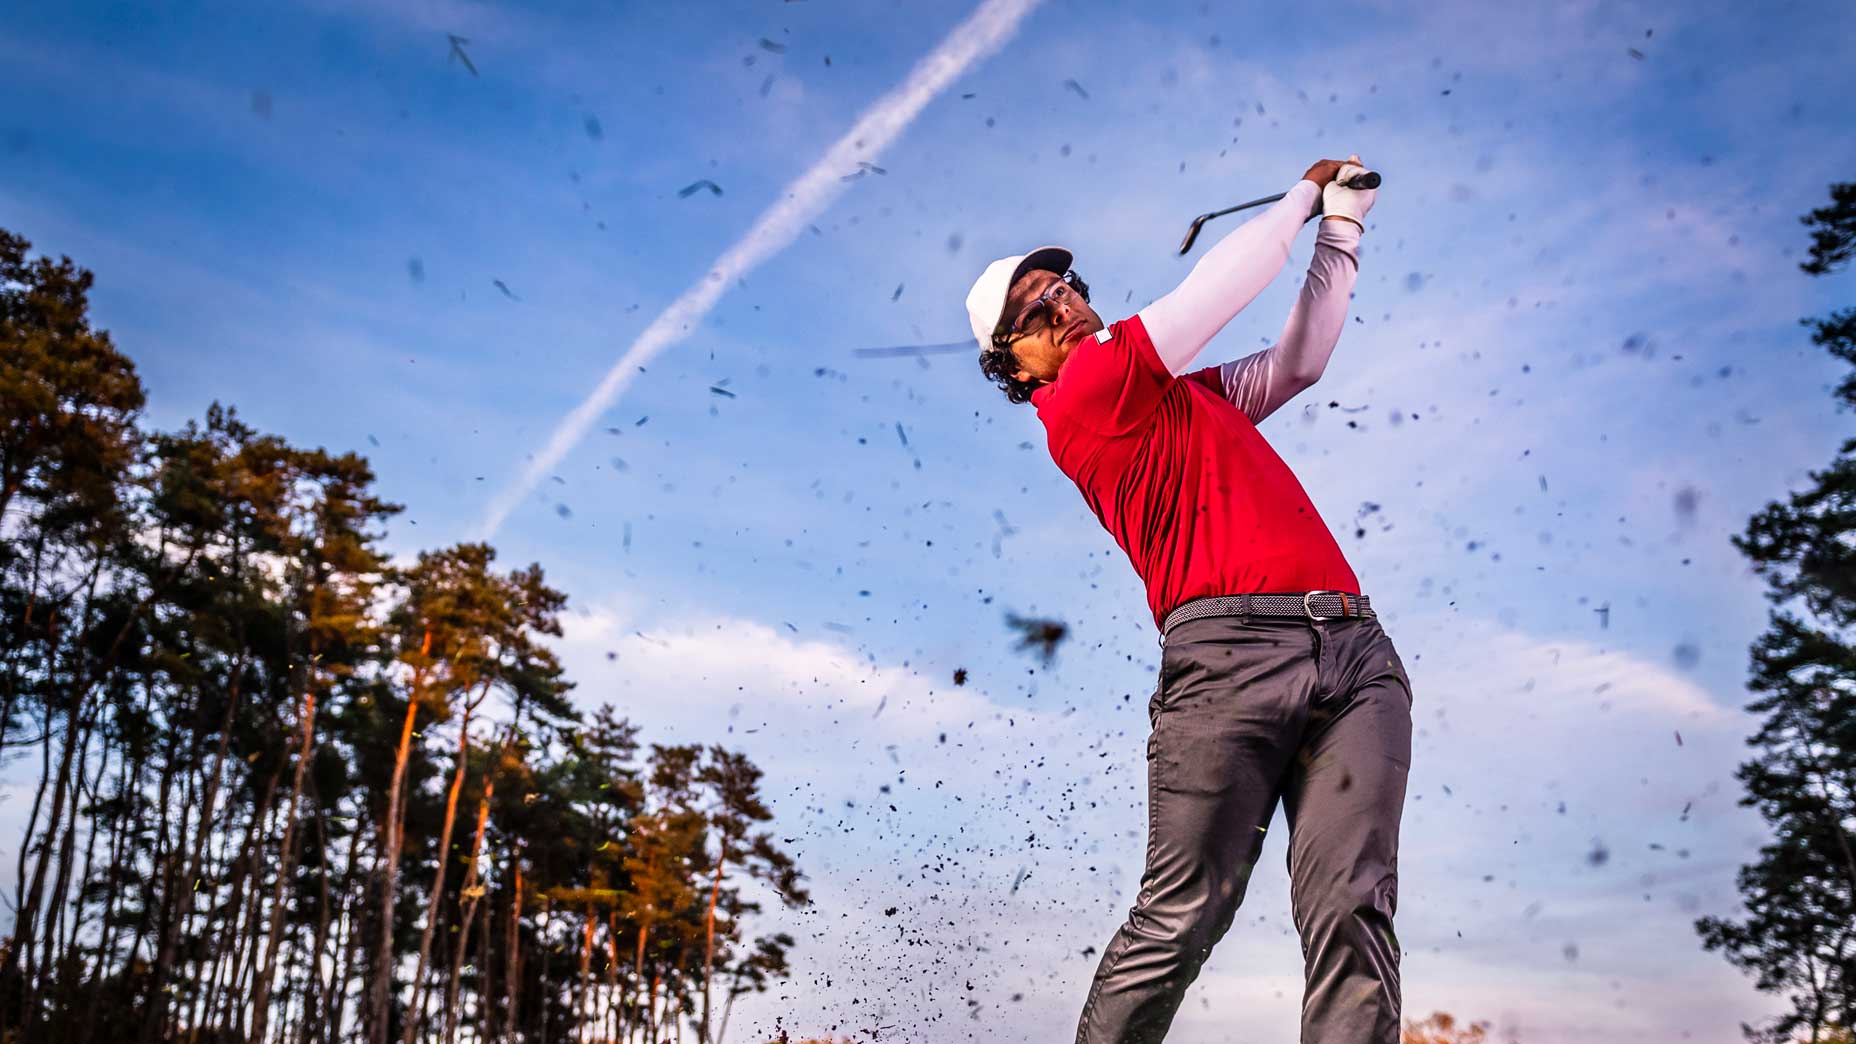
[1799, 937]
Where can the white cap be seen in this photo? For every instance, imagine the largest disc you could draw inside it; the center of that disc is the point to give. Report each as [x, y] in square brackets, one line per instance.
[986, 301]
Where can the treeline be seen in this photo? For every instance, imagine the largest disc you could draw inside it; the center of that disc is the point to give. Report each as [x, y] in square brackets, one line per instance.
[271, 786]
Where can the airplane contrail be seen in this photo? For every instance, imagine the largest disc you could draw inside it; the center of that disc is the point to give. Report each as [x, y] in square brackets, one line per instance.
[984, 31]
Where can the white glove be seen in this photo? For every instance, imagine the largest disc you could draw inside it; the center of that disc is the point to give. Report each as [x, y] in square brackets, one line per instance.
[1337, 200]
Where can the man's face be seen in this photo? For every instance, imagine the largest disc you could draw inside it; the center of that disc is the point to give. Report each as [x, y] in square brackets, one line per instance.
[1047, 338]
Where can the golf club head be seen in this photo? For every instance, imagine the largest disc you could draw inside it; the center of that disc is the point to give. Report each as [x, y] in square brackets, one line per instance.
[1193, 232]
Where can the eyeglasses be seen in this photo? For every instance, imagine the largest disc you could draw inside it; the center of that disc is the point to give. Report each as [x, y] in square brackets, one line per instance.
[1061, 292]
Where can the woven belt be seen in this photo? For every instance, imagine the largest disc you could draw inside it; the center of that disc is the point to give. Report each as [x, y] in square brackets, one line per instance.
[1315, 605]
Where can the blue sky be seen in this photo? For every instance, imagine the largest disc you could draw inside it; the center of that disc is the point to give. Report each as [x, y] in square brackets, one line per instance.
[1580, 277]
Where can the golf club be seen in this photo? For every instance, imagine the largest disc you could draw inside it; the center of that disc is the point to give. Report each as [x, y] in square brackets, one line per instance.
[1367, 180]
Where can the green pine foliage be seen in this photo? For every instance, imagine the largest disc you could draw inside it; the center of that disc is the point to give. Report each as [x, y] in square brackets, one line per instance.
[1799, 935]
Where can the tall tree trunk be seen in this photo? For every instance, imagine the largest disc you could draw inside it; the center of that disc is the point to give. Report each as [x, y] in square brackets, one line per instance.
[513, 959]
[213, 932]
[486, 987]
[286, 870]
[611, 1017]
[390, 841]
[22, 946]
[318, 986]
[210, 799]
[61, 884]
[708, 958]
[97, 823]
[547, 955]
[25, 923]
[652, 1016]
[155, 1018]
[469, 900]
[586, 965]
[229, 949]
[74, 959]
[252, 938]
[128, 786]
[437, 893]
[17, 941]
[355, 906]
[728, 1005]
[17, 954]
[641, 1012]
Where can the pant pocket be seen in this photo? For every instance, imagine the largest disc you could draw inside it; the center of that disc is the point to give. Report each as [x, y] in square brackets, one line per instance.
[1387, 654]
[1157, 702]
[1397, 666]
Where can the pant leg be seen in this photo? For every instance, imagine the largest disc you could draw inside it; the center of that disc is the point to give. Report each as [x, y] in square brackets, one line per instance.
[1343, 799]
[1226, 717]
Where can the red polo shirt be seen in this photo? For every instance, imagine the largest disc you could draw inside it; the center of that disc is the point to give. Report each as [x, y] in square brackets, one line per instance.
[1181, 478]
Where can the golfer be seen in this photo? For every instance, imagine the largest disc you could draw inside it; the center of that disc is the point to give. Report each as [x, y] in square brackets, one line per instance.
[1276, 680]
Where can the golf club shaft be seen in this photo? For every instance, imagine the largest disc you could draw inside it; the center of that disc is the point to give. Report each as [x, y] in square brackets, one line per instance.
[1365, 180]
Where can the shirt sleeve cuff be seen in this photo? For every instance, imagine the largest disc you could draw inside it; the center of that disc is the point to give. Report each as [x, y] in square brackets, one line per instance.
[1311, 194]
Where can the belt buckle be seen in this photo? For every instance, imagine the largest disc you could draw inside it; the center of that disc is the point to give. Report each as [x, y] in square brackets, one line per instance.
[1310, 610]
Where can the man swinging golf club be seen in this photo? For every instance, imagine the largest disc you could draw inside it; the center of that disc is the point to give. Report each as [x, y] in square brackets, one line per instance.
[1276, 680]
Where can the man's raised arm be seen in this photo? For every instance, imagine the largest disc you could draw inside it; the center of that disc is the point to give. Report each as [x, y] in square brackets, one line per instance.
[1228, 277]
[1261, 382]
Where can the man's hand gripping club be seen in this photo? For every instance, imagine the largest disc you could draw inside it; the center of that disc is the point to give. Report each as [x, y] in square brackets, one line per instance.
[1337, 199]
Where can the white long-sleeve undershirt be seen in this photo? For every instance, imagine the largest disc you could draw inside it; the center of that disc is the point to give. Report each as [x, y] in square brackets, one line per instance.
[1232, 274]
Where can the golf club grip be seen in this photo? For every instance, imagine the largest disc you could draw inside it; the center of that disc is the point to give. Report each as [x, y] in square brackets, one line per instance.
[1368, 180]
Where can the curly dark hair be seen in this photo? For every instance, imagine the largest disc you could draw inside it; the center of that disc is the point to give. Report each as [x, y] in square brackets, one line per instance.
[999, 362]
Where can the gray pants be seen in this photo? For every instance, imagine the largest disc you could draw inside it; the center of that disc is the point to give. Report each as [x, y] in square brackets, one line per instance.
[1249, 711]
